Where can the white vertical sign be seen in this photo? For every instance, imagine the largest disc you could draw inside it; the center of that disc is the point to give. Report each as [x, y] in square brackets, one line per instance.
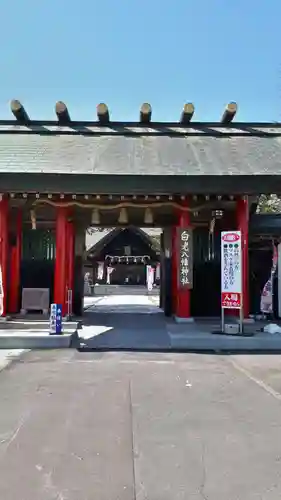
[279, 279]
[231, 270]
[53, 314]
[149, 277]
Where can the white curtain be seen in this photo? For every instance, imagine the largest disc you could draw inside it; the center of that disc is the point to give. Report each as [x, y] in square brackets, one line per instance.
[109, 271]
[100, 270]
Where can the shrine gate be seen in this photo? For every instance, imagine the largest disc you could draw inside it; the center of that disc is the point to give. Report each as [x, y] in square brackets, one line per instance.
[61, 176]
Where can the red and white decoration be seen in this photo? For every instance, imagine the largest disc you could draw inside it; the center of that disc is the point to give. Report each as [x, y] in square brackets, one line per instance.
[109, 271]
[149, 277]
[100, 270]
[231, 270]
[266, 304]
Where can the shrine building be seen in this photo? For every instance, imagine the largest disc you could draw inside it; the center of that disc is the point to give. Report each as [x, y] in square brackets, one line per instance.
[120, 256]
[60, 177]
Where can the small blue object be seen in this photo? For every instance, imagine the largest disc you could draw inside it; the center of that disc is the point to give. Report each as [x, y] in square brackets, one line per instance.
[59, 319]
[56, 319]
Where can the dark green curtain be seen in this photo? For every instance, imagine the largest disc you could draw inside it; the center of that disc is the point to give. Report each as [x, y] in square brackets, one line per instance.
[38, 257]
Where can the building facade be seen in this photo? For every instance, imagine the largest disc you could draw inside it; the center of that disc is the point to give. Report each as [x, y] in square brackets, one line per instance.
[60, 177]
[122, 256]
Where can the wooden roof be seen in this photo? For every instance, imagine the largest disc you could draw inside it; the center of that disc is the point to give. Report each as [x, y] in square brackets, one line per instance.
[96, 241]
[161, 149]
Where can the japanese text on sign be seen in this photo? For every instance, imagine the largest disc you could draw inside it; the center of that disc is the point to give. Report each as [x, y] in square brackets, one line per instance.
[231, 269]
[56, 319]
[231, 300]
[185, 258]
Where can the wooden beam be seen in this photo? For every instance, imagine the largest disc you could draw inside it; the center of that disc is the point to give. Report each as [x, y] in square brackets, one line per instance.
[229, 113]
[62, 113]
[187, 113]
[145, 113]
[19, 112]
[103, 113]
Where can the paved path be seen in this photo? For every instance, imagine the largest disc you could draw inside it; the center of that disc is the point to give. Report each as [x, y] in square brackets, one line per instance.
[124, 321]
[136, 322]
[126, 426]
[8, 355]
[124, 304]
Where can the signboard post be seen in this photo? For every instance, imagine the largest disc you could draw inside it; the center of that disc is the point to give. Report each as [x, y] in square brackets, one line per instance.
[231, 275]
[185, 257]
[55, 319]
[69, 304]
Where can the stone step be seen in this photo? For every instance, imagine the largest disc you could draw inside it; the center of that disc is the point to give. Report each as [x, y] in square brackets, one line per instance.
[18, 324]
[42, 340]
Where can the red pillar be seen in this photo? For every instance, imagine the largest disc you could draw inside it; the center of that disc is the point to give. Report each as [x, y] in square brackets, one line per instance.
[4, 248]
[15, 265]
[60, 262]
[70, 258]
[242, 216]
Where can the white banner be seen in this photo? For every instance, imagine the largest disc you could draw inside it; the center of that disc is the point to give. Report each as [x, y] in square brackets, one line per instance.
[231, 270]
[100, 270]
[109, 271]
[279, 279]
[266, 304]
[149, 277]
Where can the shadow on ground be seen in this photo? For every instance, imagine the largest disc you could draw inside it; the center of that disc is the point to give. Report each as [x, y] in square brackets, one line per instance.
[124, 331]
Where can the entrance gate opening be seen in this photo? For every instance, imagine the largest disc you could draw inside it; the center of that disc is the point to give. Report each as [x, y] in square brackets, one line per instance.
[122, 269]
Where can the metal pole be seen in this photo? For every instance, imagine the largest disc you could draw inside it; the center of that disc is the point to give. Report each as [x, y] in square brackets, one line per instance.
[241, 318]
[222, 320]
[69, 304]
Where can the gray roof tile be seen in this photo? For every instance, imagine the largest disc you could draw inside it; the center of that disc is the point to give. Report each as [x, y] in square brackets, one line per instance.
[140, 155]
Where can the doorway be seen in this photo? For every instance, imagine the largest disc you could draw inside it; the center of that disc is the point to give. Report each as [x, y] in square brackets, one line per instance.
[122, 270]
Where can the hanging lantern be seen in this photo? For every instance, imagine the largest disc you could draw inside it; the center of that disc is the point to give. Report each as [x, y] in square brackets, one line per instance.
[33, 219]
[123, 216]
[148, 216]
[95, 217]
[218, 214]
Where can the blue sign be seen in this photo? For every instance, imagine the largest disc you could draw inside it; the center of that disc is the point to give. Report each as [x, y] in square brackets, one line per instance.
[56, 319]
[59, 319]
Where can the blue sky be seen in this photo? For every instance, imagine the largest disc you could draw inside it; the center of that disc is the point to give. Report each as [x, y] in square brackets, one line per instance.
[125, 52]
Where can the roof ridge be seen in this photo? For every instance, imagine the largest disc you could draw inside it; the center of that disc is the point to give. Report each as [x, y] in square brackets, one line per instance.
[137, 129]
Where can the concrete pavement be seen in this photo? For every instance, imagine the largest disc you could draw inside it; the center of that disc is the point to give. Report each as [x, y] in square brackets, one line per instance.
[136, 322]
[8, 355]
[264, 370]
[123, 304]
[19, 336]
[146, 426]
